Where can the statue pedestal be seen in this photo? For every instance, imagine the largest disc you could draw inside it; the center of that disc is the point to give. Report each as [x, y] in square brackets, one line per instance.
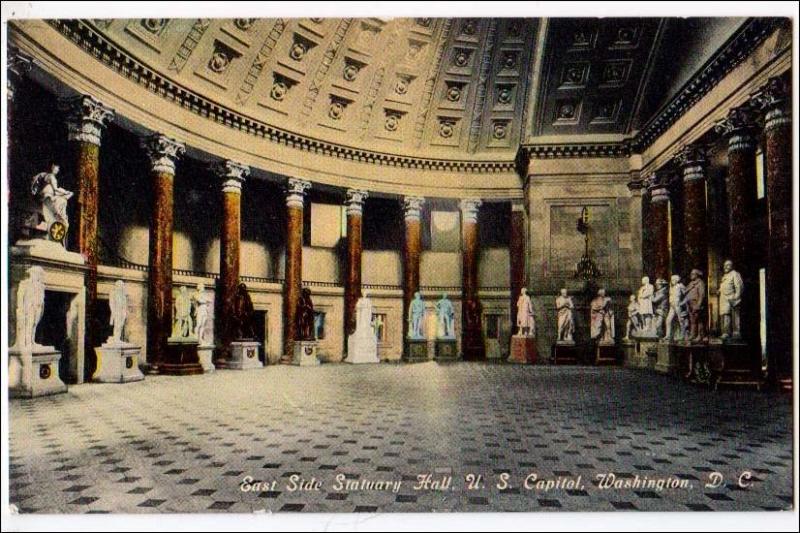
[733, 363]
[446, 350]
[205, 353]
[644, 352]
[118, 362]
[305, 353]
[33, 372]
[244, 356]
[362, 347]
[566, 353]
[416, 351]
[523, 350]
[667, 358]
[605, 354]
[181, 358]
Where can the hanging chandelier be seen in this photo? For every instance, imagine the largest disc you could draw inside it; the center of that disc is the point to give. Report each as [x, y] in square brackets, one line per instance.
[585, 269]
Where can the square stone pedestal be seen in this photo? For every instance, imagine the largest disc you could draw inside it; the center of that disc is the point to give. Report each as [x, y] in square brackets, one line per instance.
[362, 348]
[244, 356]
[605, 354]
[416, 351]
[118, 362]
[734, 363]
[305, 353]
[205, 353]
[667, 358]
[640, 352]
[446, 350]
[34, 372]
[565, 354]
[181, 358]
[523, 350]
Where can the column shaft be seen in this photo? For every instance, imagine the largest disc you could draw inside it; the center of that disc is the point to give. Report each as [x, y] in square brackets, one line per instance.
[471, 332]
[352, 282]
[658, 222]
[412, 248]
[159, 294]
[294, 263]
[516, 250]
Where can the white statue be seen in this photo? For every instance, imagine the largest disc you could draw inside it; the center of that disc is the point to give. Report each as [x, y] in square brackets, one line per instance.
[30, 307]
[566, 323]
[362, 345]
[445, 318]
[203, 315]
[731, 288]
[182, 326]
[660, 308]
[525, 322]
[645, 302]
[44, 187]
[602, 323]
[678, 312]
[634, 324]
[118, 303]
[416, 312]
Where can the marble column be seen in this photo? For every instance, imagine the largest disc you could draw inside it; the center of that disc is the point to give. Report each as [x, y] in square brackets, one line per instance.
[295, 198]
[354, 203]
[658, 224]
[635, 186]
[692, 162]
[516, 252]
[164, 154]
[471, 337]
[86, 120]
[740, 185]
[232, 175]
[412, 248]
[774, 100]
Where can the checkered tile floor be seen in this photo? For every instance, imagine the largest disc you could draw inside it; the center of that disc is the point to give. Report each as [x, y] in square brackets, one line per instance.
[184, 444]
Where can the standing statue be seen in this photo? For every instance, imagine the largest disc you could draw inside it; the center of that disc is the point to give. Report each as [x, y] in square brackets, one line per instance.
[472, 320]
[241, 319]
[202, 315]
[634, 324]
[731, 288]
[696, 300]
[526, 325]
[377, 326]
[44, 187]
[645, 302]
[445, 318]
[566, 322]
[305, 317]
[182, 326]
[661, 306]
[30, 307]
[677, 309]
[602, 323]
[416, 313]
[118, 303]
[364, 315]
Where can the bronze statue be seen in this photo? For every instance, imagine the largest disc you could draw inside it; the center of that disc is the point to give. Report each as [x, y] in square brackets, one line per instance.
[241, 321]
[305, 317]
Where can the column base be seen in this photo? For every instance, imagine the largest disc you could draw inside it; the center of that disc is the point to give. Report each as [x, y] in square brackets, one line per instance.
[523, 350]
[118, 362]
[565, 354]
[205, 354]
[244, 356]
[305, 353]
[446, 350]
[33, 372]
[181, 359]
[416, 351]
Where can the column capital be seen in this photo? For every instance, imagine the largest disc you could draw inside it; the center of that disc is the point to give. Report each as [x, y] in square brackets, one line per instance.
[636, 183]
[773, 99]
[412, 207]
[231, 173]
[355, 201]
[296, 191]
[87, 117]
[163, 152]
[691, 158]
[469, 209]
[19, 64]
[738, 127]
[657, 184]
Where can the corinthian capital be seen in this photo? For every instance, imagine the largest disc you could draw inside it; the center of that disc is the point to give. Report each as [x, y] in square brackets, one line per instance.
[296, 191]
[773, 99]
[691, 158]
[355, 201]
[163, 153]
[232, 174]
[412, 207]
[738, 128]
[469, 209]
[86, 118]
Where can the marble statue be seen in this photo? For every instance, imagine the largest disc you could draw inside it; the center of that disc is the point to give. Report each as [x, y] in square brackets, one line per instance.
[118, 303]
[661, 307]
[602, 323]
[44, 187]
[362, 345]
[364, 314]
[305, 316]
[634, 324]
[30, 307]
[416, 313]
[678, 312]
[183, 326]
[203, 315]
[566, 322]
[731, 287]
[241, 319]
[645, 301]
[696, 301]
[445, 318]
[526, 325]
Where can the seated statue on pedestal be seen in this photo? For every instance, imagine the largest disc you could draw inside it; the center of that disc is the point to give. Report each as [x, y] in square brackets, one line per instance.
[53, 202]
